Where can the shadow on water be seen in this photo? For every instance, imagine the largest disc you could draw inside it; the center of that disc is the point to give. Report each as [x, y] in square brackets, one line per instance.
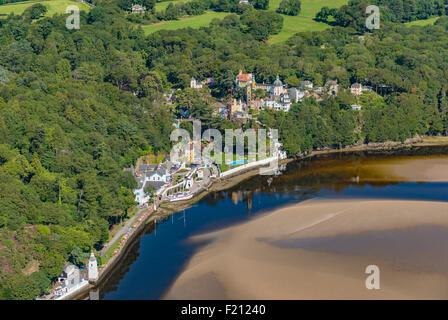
[160, 253]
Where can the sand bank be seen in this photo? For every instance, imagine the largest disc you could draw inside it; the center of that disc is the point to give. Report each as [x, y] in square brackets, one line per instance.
[320, 250]
[425, 169]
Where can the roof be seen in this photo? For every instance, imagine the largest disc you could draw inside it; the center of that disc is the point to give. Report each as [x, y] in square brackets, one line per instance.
[145, 167]
[277, 82]
[244, 77]
[156, 184]
[159, 172]
[68, 267]
[356, 85]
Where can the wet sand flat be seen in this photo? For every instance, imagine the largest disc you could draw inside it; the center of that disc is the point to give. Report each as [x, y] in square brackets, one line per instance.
[320, 250]
[434, 169]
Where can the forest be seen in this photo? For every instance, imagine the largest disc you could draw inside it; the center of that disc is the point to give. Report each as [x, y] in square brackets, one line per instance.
[79, 106]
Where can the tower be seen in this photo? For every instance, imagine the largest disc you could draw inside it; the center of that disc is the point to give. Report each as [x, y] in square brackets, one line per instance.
[93, 268]
[277, 86]
[248, 95]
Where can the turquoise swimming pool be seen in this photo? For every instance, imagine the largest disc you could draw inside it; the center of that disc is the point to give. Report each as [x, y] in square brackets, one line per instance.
[237, 162]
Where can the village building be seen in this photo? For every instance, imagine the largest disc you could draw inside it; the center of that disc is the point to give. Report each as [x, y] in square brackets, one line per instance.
[269, 102]
[236, 107]
[156, 178]
[332, 87]
[277, 87]
[195, 84]
[297, 94]
[263, 86]
[306, 84]
[245, 80]
[356, 107]
[144, 168]
[69, 280]
[136, 8]
[219, 109]
[285, 102]
[257, 104]
[356, 89]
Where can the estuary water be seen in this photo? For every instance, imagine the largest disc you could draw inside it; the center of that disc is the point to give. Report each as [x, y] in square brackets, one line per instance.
[162, 251]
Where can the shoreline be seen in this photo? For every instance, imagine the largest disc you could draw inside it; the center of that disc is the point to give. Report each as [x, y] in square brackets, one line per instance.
[223, 183]
[166, 210]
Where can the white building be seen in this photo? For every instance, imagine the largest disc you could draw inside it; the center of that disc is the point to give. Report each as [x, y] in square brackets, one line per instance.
[93, 268]
[286, 102]
[277, 87]
[136, 8]
[356, 107]
[297, 94]
[195, 84]
[306, 84]
[158, 179]
[69, 280]
[269, 103]
[280, 105]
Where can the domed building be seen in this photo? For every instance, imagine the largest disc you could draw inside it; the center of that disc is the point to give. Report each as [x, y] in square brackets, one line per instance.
[277, 87]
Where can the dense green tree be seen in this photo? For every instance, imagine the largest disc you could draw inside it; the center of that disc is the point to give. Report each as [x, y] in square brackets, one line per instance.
[289, 7]
[35, 11]
[260, 4]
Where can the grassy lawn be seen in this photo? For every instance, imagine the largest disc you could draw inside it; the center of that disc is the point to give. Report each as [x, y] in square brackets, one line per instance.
[304, 21]
[190, 22]
[421, 22]
[53, 6]
[162, 5]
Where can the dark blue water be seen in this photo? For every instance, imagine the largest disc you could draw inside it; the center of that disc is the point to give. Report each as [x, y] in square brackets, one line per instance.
[160, 254]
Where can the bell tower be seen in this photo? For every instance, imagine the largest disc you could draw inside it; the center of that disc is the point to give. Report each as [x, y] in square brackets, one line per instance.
[93, 268]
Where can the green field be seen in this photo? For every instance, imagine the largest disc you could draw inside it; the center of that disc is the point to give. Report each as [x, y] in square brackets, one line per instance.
[304, 21]
[162, 5]
[190, 22]
[422, 22]
[53, 6]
